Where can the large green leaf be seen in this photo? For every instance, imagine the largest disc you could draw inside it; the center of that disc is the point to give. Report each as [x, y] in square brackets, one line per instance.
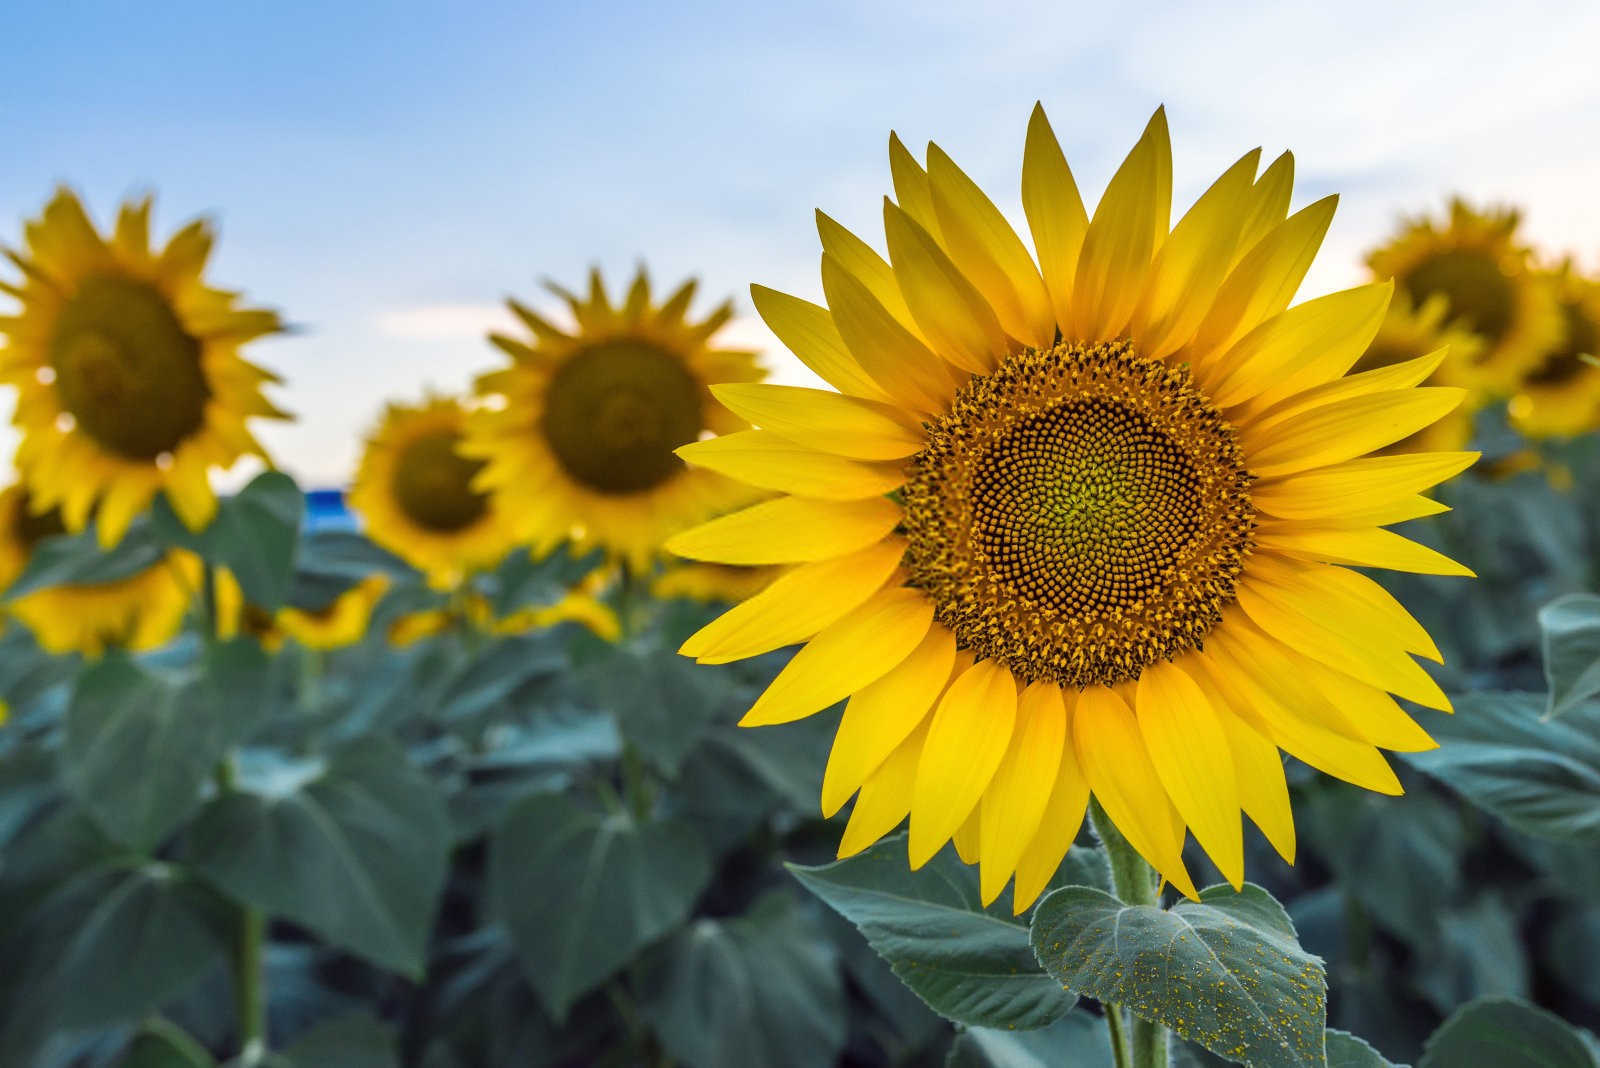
[1079, 1039]
[763, 988]
[663, 702]
[357, 851]
[1226, 973]
[254, 535]
[138, 746]
[161, 1043]
[493, 673]
[582, 892]
[106, 946]
[1570, 628]
[969, 963]
[78, 560]
[329, 562]
[1506, 1033]
[1347, 1051]
[1540, 776]
[355, 1040]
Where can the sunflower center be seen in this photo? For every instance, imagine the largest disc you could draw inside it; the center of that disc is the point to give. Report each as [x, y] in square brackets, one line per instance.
[1472, 282]
[433, 483]
[126, 369]
[614, 411]
[1566, 363]
[1079, 514]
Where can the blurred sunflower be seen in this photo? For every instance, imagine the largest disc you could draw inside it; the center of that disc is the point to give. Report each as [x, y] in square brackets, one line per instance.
[712, 582]
[1478, 265]
[415, 490]
[1410, 332]
[340, 622]
[139, 611]
[474, 611]
[1561, 396]
[127, 368]
[582, 427]
[1082, 526]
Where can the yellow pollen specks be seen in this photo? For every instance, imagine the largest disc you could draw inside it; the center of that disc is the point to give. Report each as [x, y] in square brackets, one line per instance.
[1079, 514]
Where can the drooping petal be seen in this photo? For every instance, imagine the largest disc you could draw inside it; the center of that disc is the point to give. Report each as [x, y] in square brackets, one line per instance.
[882, 715]
[796, 606]
[845, 657]
[1016, 799]
[1115, 762]
[967, 738]
[885, 797]
[1191, 754]
[1058, 826]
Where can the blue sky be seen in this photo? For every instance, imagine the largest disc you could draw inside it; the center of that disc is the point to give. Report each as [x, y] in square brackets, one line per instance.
[386, 173]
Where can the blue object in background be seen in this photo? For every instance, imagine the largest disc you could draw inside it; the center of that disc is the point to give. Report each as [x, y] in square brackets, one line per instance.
[325, 510]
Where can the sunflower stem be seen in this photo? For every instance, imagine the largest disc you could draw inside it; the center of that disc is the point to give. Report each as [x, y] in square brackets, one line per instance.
[249, 946]
[1135, 883]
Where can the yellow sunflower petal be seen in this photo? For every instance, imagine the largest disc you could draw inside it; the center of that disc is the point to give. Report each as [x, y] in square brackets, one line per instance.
[808, 332]
[958, 323]
[1359, 548]
[968, 839]
[1120, 774]
[1016, 799]
[762, 458]
[863, 263]
[1323, 337]
[1347, 429]
[1055, 212]
[894, 358]
[845, 656]
[789, 530]
[796, 606]
[911, 186]
[1191, 754]
[1058, 826]
[1268, 204]
[967, 738]
[882, 715]
[1123, 236]
[885, 797]
[821, 419]
[990, 253]
[1263, 789]
[1332, 491]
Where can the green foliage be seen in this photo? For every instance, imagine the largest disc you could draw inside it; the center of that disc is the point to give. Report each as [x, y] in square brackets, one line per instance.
[969, 963]
[255, 535]
[1227, 973]
[77, 559]
[1507, 1034]
[1571, 647]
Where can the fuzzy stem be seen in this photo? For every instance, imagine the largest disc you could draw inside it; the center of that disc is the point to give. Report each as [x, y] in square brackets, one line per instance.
[1135, 883]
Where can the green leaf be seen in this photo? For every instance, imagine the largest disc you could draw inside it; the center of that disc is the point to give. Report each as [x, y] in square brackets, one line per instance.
[163, 1044]
[1347, 1051]
[108, 945]
[78, 560]
[357, 853]
[254, 535]
[1079, 1039]
[970, 964]
[1570, 628]
[495, 672]
[138, 746]
[1506, 1033]
[1226, 973]
[583, 892]
[1572, 947]
[663, 702]
[1478, 952]
[521, 581]
[355, 1040]
[329, 562]
[763, 988]
[1540, 776]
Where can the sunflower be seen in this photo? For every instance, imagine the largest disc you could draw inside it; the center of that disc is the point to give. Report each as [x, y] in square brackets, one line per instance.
[475, 612]
[1480, 267]
[711, 582]
[1081, 526]
[1409, 332]
[581, 427]
[414, 489]
[341, 621]
[1561, 396]
[127, 368]
[140, 611]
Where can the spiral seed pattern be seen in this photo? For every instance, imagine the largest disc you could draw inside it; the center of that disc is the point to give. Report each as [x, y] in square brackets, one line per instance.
[1079, 514]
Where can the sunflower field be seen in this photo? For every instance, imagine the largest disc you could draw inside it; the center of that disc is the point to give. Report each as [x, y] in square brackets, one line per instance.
[1118, 658]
